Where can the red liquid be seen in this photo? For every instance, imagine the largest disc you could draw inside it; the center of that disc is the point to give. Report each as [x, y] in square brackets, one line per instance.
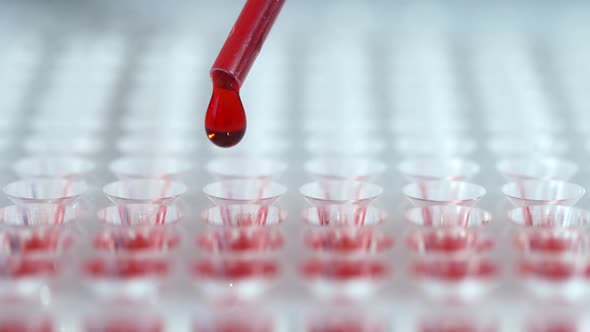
[152, 240]
[550, 243]
[552, 270]
[455, 270]
[237, 240]
[225, 121]
[249, 219]
[448, 242]
[347, 242]
[459, 326]
[440, 242]
[14, 325]
[126, 268]
[554, 327]
[38, 242]
[25, 267]
[345, 325]
[122, 325]
[236, 268]
[344, 269]
[235, 325]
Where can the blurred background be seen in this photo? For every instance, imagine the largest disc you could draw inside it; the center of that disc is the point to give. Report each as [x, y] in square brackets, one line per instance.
[149, 57]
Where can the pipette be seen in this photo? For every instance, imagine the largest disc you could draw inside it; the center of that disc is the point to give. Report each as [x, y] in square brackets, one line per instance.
[225, 121]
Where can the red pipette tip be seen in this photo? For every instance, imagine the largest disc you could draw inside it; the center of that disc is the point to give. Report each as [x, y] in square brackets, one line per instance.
[225, 121]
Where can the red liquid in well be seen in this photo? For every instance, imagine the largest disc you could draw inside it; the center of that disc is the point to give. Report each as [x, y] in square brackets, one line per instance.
[552, 270]
[122, 325]
[348, 241]
[343, 270]
[15, 325]
[448, 242]
[345, 325]
[444, 243]
[236, 268]
[126, 268]
[550, 243]
[225, 121]
[238, 240]
[455, 270]
[38, 242]
[554, 327]
[235, 325]
[459, 326]
[28, 267]
[152, 240]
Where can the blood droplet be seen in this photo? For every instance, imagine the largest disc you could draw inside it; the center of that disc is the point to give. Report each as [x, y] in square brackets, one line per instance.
[225, 121]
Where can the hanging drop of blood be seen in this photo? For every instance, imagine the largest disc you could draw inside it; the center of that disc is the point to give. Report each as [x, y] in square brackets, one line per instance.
[225, 121]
